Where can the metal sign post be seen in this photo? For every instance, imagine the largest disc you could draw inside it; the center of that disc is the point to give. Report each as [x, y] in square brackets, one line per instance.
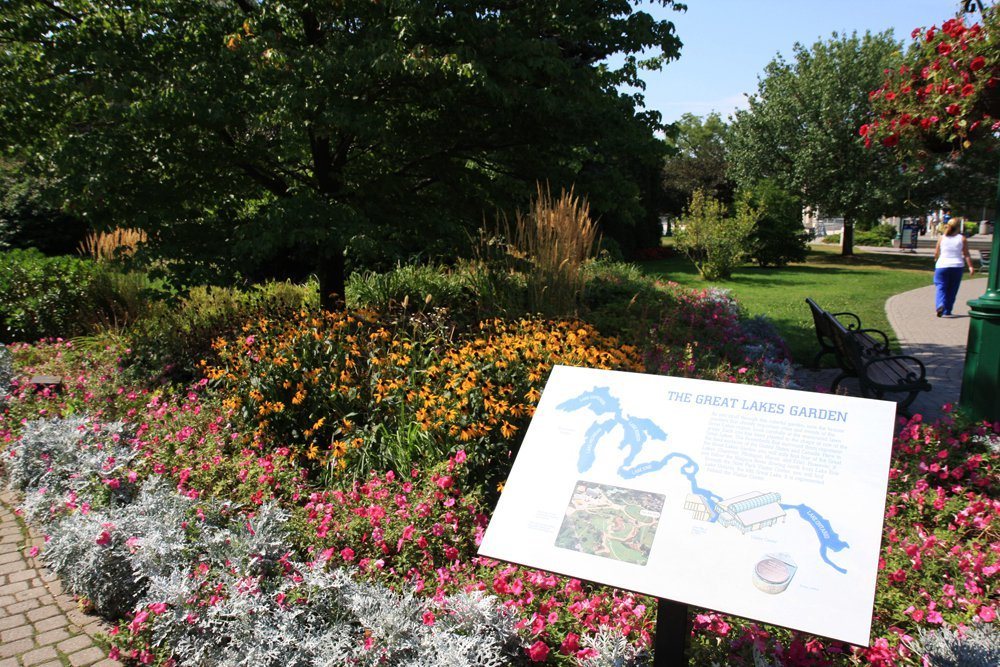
[672, 632]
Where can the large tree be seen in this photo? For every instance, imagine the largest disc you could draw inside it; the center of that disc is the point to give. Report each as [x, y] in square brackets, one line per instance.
[697, 162]
[241, 132]
[801, 128]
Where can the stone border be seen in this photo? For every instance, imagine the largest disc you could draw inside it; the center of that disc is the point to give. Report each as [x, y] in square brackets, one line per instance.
[40, 624]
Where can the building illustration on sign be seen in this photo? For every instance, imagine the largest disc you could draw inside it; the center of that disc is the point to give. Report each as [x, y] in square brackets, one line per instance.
[611, 522]
[747, 512]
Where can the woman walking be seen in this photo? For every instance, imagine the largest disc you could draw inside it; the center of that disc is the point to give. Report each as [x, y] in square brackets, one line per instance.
[950, 258]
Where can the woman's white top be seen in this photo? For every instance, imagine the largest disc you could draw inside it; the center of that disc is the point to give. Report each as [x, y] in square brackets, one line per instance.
[951, 252]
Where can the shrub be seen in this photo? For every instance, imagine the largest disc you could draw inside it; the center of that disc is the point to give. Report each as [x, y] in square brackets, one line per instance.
[879, 236]
[778, 236]
[831, 238]
[42, 296]
[715, 243]
[620, 300]
[172, 341]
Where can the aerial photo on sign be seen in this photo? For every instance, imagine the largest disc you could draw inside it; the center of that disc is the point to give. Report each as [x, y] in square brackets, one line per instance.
[765, 503]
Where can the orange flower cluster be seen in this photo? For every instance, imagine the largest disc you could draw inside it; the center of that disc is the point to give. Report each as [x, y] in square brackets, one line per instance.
[331, 387]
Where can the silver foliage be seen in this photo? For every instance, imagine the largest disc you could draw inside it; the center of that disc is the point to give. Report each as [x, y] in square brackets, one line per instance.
[978, 646]
[6, 373]
[613, 650]
[129, 549]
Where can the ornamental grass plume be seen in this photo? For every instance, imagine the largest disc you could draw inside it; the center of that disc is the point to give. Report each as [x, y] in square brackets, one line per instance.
[112, 245]
[554, 238]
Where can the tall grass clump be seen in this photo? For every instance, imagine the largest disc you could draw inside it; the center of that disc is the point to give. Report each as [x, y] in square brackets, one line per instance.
[552, 241]
[112, 245]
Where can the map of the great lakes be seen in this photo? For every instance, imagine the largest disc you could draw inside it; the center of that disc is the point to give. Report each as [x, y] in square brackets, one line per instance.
[638, 435]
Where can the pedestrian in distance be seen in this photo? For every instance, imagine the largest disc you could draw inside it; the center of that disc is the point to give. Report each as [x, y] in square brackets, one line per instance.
[951, 255]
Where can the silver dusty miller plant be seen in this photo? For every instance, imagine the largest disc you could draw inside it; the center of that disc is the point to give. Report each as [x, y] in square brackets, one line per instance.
[6, 374]
[145, 552]
[977, 646]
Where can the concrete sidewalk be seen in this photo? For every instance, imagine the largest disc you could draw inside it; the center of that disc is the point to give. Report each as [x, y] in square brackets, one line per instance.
[939, 342]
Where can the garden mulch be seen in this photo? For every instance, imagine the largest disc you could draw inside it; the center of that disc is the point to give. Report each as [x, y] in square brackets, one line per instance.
[40, 625]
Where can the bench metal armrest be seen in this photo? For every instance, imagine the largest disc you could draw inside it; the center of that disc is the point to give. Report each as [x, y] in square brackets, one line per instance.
[851, 326]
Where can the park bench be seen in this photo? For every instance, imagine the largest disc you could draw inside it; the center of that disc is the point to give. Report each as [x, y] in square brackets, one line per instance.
[984, 260]
[864, 354]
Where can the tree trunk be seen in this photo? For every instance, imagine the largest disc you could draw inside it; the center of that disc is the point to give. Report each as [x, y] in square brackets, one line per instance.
[332, 278]
[847, 238]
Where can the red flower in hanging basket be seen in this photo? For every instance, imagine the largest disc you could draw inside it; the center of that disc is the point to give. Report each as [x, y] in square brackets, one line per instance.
[948, 73]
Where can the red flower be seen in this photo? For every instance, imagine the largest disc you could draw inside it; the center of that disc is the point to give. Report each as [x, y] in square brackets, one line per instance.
[104, 538]
[952, 109]
[944, 48]
[891, 140]
[571, 644]
[863, 130]
[968, 89]
[538, 652]
[428, 617]
[977, 63]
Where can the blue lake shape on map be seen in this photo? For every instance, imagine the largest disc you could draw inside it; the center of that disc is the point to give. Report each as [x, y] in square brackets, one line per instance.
[637, 432]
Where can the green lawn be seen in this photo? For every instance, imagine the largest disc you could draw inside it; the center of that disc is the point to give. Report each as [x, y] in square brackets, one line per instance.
[859, 284]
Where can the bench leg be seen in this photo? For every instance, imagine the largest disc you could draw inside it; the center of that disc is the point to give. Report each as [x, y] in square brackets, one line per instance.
[836, 382]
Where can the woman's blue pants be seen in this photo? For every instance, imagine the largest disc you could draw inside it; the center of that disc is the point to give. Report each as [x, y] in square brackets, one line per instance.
[947, 281]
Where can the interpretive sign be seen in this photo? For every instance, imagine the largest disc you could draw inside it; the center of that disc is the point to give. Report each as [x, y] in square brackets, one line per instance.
[759, 502]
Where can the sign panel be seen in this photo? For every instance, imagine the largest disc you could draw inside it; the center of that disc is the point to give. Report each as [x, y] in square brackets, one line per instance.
[759, 502]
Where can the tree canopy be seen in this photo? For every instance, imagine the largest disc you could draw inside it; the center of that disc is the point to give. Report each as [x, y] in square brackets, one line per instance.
[801, 128]
[697, 162]
[240, 133]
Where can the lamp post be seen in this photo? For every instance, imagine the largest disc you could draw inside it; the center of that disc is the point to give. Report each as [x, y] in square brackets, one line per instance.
[981, 376]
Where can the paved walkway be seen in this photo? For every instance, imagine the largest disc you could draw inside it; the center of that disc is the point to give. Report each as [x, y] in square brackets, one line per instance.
[939, 342]
[39, 624]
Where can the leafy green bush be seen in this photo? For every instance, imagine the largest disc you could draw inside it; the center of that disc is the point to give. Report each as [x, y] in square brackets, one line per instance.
[778, 237]
[43, 296]
[469, 292]
[880, 236]
[715, 243]
[831, 238]
[171, 342]
[620, 300]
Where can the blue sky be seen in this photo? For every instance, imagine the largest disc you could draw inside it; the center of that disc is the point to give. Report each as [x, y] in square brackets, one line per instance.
[727, 43]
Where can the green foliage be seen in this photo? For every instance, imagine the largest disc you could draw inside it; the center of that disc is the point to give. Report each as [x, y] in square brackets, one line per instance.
[173, 340]
[878, 236]
[305, 129]
[698, 162]
[27, 220]
[801, 129]
[831, 239]
[43, 296]
[715, 243]
[620, 300]
[778, 237]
